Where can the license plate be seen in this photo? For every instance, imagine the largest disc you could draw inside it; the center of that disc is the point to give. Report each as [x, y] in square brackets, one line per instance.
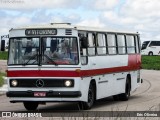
[39, 94]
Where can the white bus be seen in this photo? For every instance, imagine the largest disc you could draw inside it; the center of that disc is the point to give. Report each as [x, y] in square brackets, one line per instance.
[150, 48]
[63, 62]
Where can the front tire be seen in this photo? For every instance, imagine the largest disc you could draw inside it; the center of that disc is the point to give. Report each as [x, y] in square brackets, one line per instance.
[91, 99]
[30, 105]
[116, 97]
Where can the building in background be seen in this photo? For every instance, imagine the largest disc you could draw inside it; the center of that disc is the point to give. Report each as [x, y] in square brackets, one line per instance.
[4, 42]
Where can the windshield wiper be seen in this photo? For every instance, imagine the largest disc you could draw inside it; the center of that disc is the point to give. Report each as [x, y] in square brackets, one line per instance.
[50, 59]
[31, 58]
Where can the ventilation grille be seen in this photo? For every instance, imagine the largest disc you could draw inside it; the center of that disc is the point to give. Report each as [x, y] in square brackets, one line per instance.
[68, 32]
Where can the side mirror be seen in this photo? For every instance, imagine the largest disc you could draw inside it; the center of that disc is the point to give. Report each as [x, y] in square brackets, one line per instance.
[84, 42]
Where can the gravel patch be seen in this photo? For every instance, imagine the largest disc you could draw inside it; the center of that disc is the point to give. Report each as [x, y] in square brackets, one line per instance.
[3, 65]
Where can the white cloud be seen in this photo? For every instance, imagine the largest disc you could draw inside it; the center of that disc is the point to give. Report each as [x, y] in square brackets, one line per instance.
[117, 19]
[4, 31]
[104, 4]
[157, 37]
[34, 4]
[20, 21]
[110, 15]
[91, 22]
[11, 22]
[142, 8]
[136, 15]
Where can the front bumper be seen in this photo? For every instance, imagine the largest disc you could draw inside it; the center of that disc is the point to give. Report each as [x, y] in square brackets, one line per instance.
[49, 94]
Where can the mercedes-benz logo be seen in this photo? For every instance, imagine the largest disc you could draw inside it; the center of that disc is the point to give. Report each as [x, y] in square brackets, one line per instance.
[39, 83]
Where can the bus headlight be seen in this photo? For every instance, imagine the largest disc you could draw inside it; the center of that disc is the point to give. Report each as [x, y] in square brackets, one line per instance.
[14, 83]
[68, 83]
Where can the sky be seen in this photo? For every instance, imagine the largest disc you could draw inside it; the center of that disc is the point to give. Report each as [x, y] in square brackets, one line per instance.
[141, 16]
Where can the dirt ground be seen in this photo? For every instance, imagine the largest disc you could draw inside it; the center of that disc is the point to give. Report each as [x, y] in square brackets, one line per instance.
[3, 65]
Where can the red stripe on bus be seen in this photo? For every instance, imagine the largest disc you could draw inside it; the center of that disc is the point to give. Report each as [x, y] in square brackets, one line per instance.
[42, 73]
[134, 62]
[65, 73]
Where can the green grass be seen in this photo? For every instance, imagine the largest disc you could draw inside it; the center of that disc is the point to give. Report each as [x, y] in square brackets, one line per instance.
[3, 55]
[151, 62]
[1, 79]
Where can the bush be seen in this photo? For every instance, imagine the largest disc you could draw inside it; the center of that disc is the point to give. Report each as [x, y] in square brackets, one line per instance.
[1, 78]
[3, 55]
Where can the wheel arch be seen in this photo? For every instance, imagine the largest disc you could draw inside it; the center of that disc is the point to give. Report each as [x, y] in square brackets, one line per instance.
[128, 79]
[150, 52]
[93, 82]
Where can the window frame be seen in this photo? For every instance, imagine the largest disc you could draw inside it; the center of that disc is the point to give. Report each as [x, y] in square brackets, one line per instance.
[97, 46]
[94, 43]
[131, 46]
[122, 46]
[112, 33]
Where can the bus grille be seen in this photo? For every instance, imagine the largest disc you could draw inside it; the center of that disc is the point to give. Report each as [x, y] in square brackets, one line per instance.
[37, 83]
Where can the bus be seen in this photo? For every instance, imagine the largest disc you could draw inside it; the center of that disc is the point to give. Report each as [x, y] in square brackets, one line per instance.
[150, 48]
[61, 62]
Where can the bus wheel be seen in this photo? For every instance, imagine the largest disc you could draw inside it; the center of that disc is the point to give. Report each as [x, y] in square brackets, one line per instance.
[91, 98]
[30, 105]
[125, 96]
[150, 53]
[116, 97]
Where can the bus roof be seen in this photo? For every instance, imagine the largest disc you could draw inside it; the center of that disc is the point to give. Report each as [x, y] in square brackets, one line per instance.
[69, 26]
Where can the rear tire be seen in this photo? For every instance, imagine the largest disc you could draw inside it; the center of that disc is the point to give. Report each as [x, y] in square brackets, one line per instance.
[30, 105]
[125, 96]
[150, 53]
[91, 99]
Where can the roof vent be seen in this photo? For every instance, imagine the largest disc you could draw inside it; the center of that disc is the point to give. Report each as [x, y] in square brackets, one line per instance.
[68, 32]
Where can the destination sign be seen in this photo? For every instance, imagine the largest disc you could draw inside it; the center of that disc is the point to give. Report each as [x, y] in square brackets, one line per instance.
[41, 32]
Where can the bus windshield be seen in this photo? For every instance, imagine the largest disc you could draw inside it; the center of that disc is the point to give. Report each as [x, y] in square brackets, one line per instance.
[144, 45]
[43, 51]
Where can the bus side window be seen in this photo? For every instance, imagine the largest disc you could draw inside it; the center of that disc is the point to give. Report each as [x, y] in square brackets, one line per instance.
[101, 44]
[158, 43]
[130, 43]
[153, 43]
[121, 44]
[83, 50]
[91, 41]
[111, 40]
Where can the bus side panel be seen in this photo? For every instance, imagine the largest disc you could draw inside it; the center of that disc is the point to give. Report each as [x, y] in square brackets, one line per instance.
[105, 86]
[84, 87]
[111, 74]
[106, 73]
[134, 80]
